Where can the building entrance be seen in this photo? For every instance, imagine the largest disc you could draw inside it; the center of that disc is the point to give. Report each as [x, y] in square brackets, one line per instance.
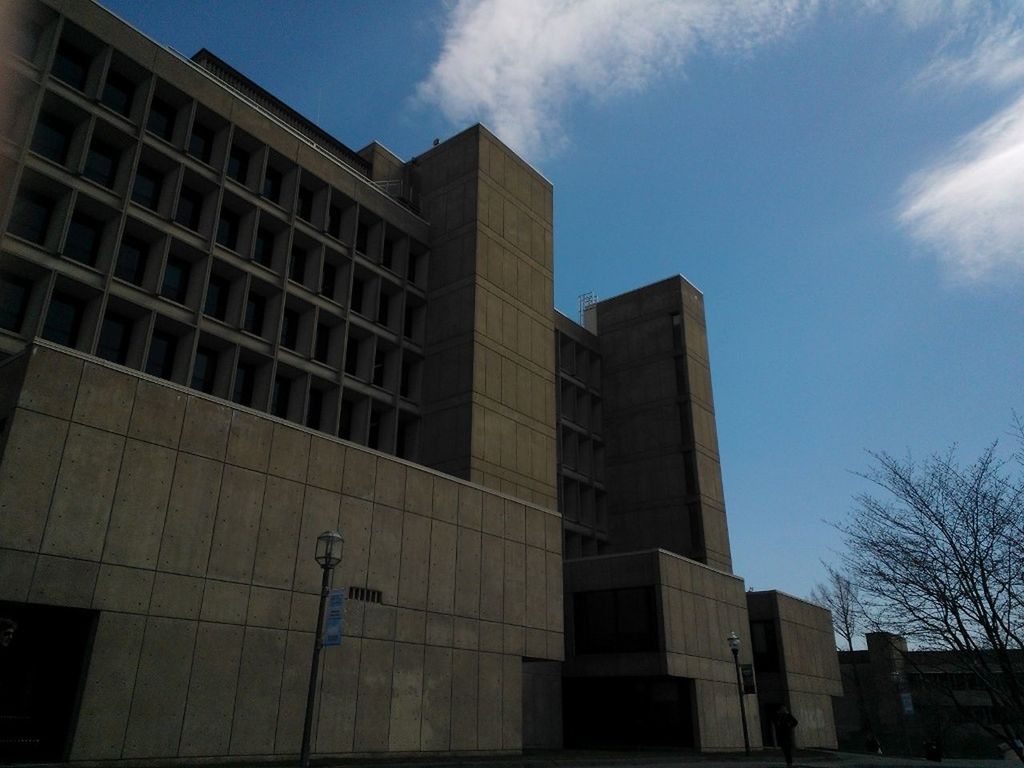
[43, 652]
[628, 712]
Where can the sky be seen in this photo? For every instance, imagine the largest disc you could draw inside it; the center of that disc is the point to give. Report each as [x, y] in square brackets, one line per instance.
[843, 180]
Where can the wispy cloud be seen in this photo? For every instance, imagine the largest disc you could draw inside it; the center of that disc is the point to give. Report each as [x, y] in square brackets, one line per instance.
[969, 208]
[515, 64]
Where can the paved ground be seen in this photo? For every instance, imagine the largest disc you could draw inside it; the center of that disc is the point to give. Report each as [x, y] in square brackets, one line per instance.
[766, 759]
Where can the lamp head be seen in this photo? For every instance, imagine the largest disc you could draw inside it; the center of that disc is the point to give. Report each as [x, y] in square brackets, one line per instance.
[734, 642]
[328, 548]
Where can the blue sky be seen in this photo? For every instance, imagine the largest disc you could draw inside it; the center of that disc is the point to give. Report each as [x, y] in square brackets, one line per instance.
[844, 181]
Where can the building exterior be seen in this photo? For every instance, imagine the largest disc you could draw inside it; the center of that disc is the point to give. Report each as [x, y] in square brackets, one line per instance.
[903, 700]
[222, 331]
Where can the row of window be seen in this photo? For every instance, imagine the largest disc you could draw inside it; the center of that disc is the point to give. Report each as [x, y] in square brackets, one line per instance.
[580, 406]
[576, 360]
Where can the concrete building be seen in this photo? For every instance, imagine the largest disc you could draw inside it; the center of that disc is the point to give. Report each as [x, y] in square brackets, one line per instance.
[222, 331]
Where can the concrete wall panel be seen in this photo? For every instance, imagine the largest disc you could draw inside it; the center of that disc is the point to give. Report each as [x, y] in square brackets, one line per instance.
[258, 693]
[489, 704]
[289, 453]
[512, 703]
[249, 441]
[62, 581]
[465, 692]
[140, 505]
[373, 713]
[320, 512]
[437, 699]
[280, 521]
[205, 429]
[191, 510]
[467, 573]
[161, 687]
[338, 691]
[294, 691]
[105, 398]
[206, 730]
[77, 524]
[415, 565]
[385, 551]
[158, 414]
[492, 578]
[356, 526]
[443, 545]
[406, 698]
[37, 441]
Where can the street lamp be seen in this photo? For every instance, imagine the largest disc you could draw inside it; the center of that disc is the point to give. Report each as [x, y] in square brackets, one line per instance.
[328, 555]
[734, 646]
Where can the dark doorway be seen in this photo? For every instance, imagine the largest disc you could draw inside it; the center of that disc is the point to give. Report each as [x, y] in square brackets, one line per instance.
[628, 712]
[42, 668]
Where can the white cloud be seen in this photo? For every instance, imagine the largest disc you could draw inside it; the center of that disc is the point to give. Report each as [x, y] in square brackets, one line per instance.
[969, 208]
[515, 64]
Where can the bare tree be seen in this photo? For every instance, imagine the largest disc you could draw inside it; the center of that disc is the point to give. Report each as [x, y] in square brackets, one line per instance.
[939, 559]
[839, 595]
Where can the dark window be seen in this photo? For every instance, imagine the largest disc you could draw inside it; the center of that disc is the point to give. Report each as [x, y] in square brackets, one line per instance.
[52, 138]
[305, 203]
[205, 370]
[334, 222]
[358, 288]
[146, 190]
[352, 357]
[161, 119]
[290, 329]
[383, 309]
[14, 293]
[327, 280]
[282, 393]
[131, 260]
[316, 408]
[297, 271]
[238, 164]
[255, 309]
[323, 339]
[403, 379]
[200, 143]
[115, 336]
[175, 285]
[227, 229]
[272, 185]
[117, 93]
[101, 163]
[362, 236]
[245, 381]
[387, 259]
[409, 323]
[190, 208]
[373, 436]
[217, 297]
[378, 367]
[413, 262]
[71, 64]
[83, 240]
[30, 218]
[263, 252]
[615, 621]
[764, 646]
[63, 320]
[161, 355]
[677, 332]
[345, 428]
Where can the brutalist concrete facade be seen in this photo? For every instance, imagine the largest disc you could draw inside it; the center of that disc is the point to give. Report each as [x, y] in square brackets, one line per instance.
[186, 526]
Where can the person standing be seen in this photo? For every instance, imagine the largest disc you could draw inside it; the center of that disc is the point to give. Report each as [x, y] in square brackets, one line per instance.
[784, 725]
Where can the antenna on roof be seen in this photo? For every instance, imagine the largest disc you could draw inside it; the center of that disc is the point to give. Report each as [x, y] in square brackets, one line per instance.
[587, 301]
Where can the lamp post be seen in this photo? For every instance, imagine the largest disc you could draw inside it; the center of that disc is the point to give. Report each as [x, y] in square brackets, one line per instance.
[328, 555]
[734, 646]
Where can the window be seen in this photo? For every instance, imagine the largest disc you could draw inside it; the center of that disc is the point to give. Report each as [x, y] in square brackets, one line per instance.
[146, 190]
[30, 218]
[290, 329]
[362, 236]
[282, 393]
[615, 621]
[383, 309]
[316, 408]
[334, 222]
[352, 357]
[245, 381]
[161, 119]
[409, 323]
[323, 340]
[217, 297]
[238, 164]
[378, 367]
[272, 185]
[205, 370]
[255, 310]
[115, 336]
[263, 252]
[52, 138]
[327, 280]
[373, 436]
[345, 427]
[83, 240]
[358, 288]
[161, 355]
[227, 229]
[305, 204]
[190, 208]
[131, 260]
[117, 93]
[764, 646]
[411, 268]
[297, 270]
[404, 379]
[101, 163]
[200, 143]
[387, 259]
[71, 64]
[63, 320]
[14, 294]
[175, 284]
